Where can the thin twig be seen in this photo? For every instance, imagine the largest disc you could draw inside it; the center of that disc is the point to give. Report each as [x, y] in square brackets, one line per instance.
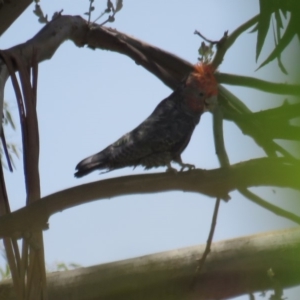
[210, 236]
[110, 18]
[205, 39]
[219, 137]
[224, 162]
[274, 209]
[228, 42]
[90, 11]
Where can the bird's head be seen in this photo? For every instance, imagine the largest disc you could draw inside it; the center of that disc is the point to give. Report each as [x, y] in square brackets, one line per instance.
[201, 88]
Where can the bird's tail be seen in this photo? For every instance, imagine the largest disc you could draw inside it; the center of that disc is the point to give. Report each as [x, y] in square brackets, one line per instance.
[90, 164]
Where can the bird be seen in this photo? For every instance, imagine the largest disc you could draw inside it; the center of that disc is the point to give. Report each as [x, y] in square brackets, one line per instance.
[163, 136]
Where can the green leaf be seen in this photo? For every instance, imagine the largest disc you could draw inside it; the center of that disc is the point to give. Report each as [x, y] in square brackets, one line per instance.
[290, 32]
[74, 265]
[109, 4]
[111, 19]
[119, 5]
[15, 150]
[43, 19]
[38, 11]
[278, 19]
[10, 120]
[263, 24]
[277, 37]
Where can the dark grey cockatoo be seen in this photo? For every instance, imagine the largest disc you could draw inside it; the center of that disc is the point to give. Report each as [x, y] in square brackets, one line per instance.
[163, 136]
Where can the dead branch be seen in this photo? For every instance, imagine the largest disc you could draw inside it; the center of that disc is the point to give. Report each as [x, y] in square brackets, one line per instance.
[238, 266]
[207, 249]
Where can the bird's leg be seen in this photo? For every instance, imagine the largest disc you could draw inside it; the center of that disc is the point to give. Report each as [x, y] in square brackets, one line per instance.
[183, 165]
[188, 166]
[171, 169]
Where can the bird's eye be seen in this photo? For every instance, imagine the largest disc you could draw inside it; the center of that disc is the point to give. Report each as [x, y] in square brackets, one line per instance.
[201, 94]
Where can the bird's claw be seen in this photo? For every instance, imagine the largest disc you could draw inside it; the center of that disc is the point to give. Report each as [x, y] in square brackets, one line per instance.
[188, 166]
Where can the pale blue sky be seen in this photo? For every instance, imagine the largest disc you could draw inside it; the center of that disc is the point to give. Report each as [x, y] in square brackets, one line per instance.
[87, 99]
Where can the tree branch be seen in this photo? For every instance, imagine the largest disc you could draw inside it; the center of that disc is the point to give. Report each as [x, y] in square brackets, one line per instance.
[167, 67]
[207, 249]
[266, 86]
[213, 183]
[228, 41]
[273, 208]
[236, 111]
[10, 10]
[219, 137]
[238, 266]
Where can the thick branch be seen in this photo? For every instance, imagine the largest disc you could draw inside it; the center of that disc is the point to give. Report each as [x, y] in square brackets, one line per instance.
[166, 66]
[235, 267]
[44, 44]
[10, 10]
[213, 183]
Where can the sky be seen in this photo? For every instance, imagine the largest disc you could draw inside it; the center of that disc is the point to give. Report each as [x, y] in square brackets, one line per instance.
[88, 98]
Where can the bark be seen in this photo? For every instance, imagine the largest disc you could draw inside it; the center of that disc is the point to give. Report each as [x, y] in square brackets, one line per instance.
[213, 183]
[10, 10]
[234, 267]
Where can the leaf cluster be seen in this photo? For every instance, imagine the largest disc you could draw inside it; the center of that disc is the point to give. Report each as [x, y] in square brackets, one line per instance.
[43, 19]
[10, 150]
[276, 13]
[111, 9]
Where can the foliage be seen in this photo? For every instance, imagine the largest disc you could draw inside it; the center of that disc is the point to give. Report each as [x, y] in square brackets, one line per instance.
[110, 8]
[277, 13]
[5, 272]
[43, 19]
[12, 148]
[283, 15]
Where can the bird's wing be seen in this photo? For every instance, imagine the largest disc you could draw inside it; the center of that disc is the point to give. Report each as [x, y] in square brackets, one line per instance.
[165, 130]
[164, 134]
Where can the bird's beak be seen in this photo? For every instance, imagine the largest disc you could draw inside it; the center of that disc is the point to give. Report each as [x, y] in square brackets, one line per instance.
[210, 103]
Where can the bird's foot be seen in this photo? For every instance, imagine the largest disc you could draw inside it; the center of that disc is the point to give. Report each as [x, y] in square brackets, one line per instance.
[171, 169]
[188, 166]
